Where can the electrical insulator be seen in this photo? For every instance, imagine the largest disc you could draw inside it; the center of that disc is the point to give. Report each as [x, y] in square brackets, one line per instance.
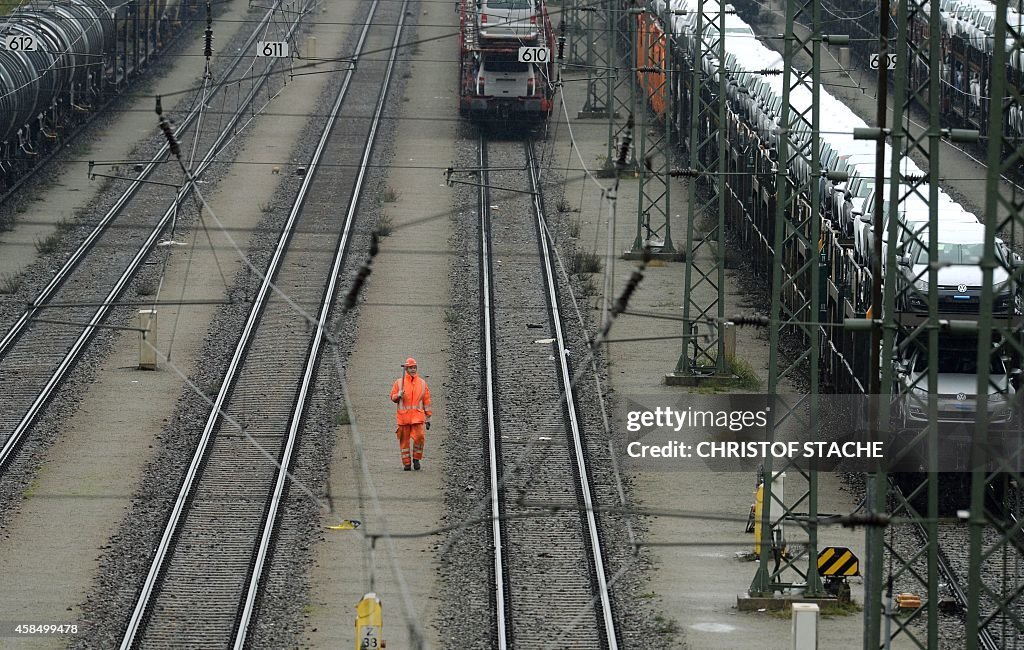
[208, 49]
[165, 126]
[627, 139]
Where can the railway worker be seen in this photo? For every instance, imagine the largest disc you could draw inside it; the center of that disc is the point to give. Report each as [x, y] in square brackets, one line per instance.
[412, 397]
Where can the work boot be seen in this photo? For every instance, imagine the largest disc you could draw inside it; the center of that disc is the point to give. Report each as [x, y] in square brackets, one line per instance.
[407, 467]
[416, 465]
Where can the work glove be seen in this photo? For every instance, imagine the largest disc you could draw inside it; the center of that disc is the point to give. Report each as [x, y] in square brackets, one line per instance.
[428, 426]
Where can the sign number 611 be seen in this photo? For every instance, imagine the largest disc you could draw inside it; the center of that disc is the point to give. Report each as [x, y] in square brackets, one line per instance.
[275, 49]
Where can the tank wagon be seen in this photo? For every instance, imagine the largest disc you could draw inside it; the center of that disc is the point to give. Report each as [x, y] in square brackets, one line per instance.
[753, 116]
[61, 61]
[505, 51]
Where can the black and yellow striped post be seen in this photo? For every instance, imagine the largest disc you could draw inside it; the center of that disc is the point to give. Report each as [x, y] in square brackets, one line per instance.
[838, 562]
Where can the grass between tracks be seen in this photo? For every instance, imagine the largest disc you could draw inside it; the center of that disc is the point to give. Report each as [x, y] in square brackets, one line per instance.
[827, 611]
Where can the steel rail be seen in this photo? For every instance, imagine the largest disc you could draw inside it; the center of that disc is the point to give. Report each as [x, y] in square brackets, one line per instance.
[16, 436]
[1010, 523]
[567, 387]
[262, 553]
[165, 545]
[487, 290]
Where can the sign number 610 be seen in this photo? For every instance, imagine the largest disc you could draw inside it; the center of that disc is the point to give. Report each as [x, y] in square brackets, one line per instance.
[534, 55]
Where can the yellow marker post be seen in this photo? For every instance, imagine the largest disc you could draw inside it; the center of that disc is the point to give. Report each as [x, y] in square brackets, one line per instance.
[775, 508]
[758, 506]
[369, 623]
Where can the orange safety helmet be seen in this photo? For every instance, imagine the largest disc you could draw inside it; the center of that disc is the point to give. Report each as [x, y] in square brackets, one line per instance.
[409, 362]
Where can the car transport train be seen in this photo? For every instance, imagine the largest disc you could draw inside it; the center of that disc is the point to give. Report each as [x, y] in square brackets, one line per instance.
[506, 71]
[967, 39]
[844, 252]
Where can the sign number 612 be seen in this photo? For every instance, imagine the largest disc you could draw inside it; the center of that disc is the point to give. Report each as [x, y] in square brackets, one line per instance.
[20, 43]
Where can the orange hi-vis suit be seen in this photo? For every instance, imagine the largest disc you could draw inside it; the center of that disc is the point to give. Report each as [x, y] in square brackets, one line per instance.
[413, 411]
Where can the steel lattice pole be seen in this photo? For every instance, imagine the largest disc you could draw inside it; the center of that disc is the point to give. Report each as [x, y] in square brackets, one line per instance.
[796, 295]
[653, 208]
[997, 451]
[704, 275]
[901, 336]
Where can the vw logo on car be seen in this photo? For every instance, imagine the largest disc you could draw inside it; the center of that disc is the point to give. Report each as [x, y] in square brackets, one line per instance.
[960, 397]
[961, 288]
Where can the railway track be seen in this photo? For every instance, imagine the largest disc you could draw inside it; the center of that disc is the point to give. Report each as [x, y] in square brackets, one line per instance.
[39, 350]
[549, 568]
[950, 566]
[202, 588]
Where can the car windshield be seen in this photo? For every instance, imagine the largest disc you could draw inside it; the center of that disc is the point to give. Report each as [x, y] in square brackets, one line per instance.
[960, 253]
[963, 363]
[953, 253]
[509, 4]
[506, 65]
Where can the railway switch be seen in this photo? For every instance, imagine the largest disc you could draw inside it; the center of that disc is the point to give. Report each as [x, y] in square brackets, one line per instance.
[370, 623]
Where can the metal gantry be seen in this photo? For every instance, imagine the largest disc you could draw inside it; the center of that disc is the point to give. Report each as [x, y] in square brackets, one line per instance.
[616, 96]
[993, 599]
[594, 18]
[653, 226]
[620, 41]
[610, 95]
[703, 350]
[795, 265]
[576, 34]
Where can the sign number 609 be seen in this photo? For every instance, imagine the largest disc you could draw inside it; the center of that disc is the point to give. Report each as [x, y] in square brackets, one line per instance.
[875, 60]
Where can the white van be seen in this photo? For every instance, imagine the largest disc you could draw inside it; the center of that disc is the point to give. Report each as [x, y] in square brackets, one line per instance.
[503, 75]
[508, 20]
